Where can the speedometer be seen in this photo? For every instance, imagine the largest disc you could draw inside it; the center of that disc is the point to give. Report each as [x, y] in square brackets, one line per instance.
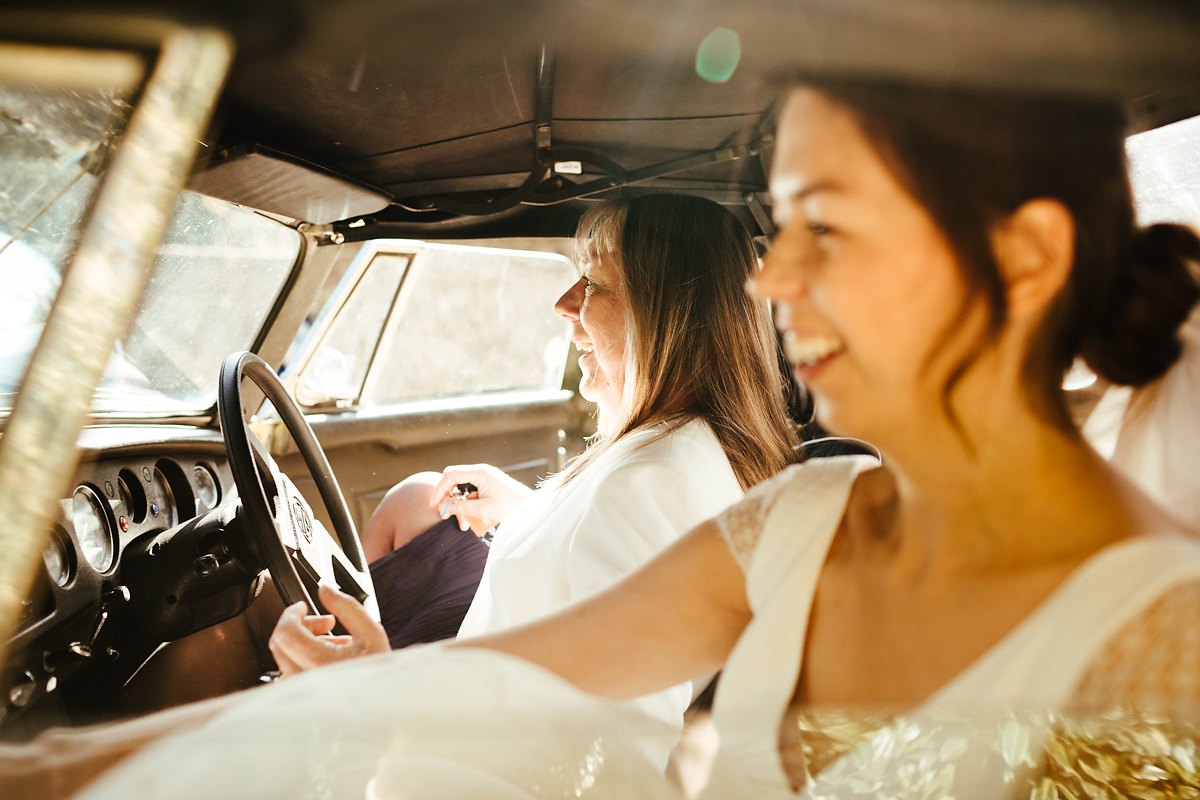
[57, 556]
[92, 528]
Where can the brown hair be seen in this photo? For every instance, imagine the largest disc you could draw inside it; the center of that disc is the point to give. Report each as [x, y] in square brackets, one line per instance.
[697, 345]
[972, 158]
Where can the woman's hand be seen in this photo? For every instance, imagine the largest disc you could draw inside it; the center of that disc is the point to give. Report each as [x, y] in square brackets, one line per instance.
[496, 494]
[302, 641]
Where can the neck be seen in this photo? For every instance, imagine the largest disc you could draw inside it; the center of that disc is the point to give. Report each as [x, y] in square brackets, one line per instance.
[1006, 490]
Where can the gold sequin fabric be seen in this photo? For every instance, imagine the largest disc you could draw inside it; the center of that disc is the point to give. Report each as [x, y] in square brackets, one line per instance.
[1121, 755]
[1035, 755]
[1131, 751]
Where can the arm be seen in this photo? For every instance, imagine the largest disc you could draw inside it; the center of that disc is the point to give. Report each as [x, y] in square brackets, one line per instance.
[676, 618]
[61, 761]
[1151, 663]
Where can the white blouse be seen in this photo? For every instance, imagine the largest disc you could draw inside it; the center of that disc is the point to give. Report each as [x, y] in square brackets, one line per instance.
[565, 544]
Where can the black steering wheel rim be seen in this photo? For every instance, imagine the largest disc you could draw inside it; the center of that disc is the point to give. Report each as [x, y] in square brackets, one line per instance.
[259, 521]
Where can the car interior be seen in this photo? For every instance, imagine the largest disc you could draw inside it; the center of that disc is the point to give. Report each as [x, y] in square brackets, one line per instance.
[354, 278]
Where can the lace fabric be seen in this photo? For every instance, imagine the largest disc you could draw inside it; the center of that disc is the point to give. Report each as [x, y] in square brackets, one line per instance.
[742, 524]
[1152, 663]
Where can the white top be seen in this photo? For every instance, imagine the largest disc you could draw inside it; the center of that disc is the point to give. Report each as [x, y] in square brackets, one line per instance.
[966, 727]
[1150, 433]
[565, 544]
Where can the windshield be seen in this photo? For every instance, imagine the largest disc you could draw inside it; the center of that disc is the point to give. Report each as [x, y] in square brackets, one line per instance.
[215, 280]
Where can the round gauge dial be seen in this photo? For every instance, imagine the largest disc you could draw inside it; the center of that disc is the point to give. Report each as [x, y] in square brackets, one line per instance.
[208, 489]
[160, 501]
[92, 528]
[58, 559]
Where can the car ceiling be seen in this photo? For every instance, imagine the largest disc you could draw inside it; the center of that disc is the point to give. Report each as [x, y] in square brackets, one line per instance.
[436, 103]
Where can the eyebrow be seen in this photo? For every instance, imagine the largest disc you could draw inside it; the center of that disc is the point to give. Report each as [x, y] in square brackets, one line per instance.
[820, 187]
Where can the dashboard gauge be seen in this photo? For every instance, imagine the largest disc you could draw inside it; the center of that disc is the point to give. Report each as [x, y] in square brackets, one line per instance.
[208, 489]
[92, 528]
[160, 501]
[59, 561]
[132, 495]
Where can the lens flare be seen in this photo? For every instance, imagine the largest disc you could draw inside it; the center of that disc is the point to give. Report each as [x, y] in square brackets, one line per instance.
[718, 56]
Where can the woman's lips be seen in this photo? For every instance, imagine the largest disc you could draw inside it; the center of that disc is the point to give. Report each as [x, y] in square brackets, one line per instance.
[809, 354]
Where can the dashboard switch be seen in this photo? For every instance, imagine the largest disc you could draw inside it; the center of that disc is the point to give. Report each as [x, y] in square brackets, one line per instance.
[23, 691]
[206, 564]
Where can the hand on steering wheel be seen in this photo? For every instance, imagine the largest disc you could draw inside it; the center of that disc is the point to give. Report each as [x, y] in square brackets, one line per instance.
[301, 641]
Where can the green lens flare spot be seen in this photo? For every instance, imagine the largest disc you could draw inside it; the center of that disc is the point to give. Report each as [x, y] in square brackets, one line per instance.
[718, 56]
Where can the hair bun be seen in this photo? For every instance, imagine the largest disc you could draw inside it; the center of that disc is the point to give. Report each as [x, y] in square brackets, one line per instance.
[1136, 339]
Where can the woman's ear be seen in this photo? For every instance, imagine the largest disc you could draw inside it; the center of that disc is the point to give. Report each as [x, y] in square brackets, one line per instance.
[1035, 250]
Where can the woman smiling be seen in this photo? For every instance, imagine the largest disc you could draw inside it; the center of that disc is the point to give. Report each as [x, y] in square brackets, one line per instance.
[995, 613]
[659, 302]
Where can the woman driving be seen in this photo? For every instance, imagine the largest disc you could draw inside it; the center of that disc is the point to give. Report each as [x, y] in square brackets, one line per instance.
[658, 302]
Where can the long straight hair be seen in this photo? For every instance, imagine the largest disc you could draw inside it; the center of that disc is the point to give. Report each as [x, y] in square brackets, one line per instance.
[697, 346]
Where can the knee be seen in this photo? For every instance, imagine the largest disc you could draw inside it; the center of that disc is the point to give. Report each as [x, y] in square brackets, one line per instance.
[410, 495]
[403, 513]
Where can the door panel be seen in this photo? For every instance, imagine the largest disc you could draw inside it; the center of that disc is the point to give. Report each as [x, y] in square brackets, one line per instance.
[370, 452]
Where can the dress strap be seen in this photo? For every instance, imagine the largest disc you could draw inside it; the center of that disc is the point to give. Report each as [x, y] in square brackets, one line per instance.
[760, 674]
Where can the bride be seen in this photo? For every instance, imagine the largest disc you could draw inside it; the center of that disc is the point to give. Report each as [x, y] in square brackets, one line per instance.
[998, 612]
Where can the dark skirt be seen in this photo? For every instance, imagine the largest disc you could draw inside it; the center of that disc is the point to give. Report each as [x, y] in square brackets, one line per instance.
[425, 588]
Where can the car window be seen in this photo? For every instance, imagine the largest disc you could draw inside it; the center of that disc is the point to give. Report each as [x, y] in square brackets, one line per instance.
[55, 143]
[338, 369]
[1164, 168]
[427, 321]
[219, 263]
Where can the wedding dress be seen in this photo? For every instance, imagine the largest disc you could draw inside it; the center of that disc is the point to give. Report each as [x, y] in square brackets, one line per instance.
[429, 722]
[989, 732]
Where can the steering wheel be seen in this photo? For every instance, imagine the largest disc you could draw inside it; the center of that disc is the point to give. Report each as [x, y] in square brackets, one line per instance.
[282, 532]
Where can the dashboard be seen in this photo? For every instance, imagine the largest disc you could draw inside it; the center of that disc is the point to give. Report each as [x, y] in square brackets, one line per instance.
[145, 549]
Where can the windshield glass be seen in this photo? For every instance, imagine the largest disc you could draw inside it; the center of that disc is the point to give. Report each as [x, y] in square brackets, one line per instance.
[53, 145]
[215, 280]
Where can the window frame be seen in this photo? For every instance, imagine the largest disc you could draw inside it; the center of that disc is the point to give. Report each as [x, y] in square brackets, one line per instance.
[341, 295]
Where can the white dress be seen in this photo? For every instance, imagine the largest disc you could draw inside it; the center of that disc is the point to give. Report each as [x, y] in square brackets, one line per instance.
[983, 734]
[565, 544]
[428, 723]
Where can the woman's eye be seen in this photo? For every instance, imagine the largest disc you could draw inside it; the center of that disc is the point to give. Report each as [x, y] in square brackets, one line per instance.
[818, 228]
[588, 285]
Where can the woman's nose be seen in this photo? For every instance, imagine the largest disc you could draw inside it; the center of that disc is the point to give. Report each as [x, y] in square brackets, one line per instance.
[782, 275]
[568, 305]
